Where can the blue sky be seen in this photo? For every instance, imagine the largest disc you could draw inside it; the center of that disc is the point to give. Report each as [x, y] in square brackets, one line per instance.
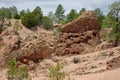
[50, 5]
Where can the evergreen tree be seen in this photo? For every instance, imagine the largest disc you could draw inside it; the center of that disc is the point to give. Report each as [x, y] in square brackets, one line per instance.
[72, 15]
[47, 23]
[5, 13]
[22, 13]
[115, 9]
[17, 16]
[29, 20]
[59, 13]
[82, 11]
[2, 15]
[28, 11]
[52, 17]
[13, 11]
[100, 16]
[38, 13]
[108, 21]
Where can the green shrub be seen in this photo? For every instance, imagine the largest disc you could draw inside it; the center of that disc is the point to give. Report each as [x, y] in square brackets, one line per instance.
[103, 54]
[1, 44]
[17, 26]
[1, 38]
[76, 60]
[17, 16]
[57, 31]
[16, 73]
[30, 20]
[47, 23]
[56, 73]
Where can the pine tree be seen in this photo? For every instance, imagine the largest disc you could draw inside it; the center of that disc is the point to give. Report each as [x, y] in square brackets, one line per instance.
[72, 15]
[59, 13]
[82, 11]
[100, 16]
[115, 9]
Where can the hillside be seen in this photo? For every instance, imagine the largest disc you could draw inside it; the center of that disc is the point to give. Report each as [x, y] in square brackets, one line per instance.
[39, 49]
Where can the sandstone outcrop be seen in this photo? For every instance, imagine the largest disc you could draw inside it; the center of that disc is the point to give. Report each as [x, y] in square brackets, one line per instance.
[35, 52]
[86, 22]
[77, 43]
[79, 36]
[24, 44]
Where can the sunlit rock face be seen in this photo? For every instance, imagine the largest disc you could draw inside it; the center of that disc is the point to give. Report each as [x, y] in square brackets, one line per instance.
[87, 21]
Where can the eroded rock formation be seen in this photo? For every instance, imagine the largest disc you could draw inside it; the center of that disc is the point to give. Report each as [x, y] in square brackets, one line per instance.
[74, 43]
[79, 36]
[86, 22]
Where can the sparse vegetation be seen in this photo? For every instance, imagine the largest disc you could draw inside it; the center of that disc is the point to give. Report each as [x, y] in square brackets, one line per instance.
[55, 72]
[1, 38]
[76, 60]
[17, 25]
[9, 23]
[47, 23]
[1, 44]
[106, 37]
[29, 20]
[16, 73]
[103, 54]
[57, 31]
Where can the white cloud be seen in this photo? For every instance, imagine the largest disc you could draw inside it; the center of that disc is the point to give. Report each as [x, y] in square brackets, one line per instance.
[50, 5]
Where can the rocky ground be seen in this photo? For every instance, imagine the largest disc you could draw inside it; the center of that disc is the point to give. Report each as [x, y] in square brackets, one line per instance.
[101, 65]
[40, 49]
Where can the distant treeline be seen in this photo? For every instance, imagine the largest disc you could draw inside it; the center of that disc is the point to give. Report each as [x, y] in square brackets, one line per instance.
[36, 17]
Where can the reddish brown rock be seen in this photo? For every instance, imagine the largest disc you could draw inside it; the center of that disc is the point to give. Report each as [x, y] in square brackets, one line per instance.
[86, 22]
[34, 52]
[70, 43]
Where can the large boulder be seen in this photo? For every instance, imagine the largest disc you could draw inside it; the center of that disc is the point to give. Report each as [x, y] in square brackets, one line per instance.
[87, 21]
[34, 51]
[77, 43]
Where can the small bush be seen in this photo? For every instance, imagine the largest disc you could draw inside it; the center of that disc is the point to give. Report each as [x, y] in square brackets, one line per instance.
[47, 23]
[9, 23]
[30, 20]
[103, 54]
[56, 73]
[1, 38]
[76, 60]
[17, 16]
[16, 73]
[1, 44]
[17, 26]
[57, 31]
